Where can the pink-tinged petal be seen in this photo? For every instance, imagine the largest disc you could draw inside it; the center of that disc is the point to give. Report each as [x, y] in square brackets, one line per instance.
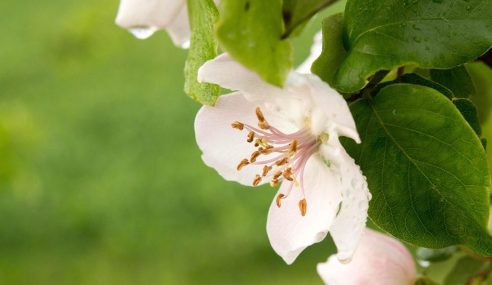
[290, 232]
[316, 49]
[222, 146]
[179, 29]
[380, 259]
[143, 18]
[331, 110]
[350, 222]
[229, 74]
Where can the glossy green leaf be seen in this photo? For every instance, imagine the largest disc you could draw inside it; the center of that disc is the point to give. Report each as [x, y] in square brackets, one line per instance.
[463, 271]
[251, 32]
[418, 80]
[297, 12]
[469, 112]
[333, 50]
[203, 46]
[425, 166]
[456, 79]
[385, 34]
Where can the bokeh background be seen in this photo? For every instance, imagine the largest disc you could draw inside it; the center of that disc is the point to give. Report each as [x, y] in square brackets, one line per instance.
[101, 181]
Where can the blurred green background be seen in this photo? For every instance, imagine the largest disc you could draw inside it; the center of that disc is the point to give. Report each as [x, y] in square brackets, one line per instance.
[101, 181]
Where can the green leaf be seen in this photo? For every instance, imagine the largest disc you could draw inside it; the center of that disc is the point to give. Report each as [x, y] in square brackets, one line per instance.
[481, 74]
[385, 34]
[203, 46]
[297, 12]
[251, 32]
[418, 80]
[333, 51]
[456, 79]
[426, 168]
[469, 112]
[464, 270]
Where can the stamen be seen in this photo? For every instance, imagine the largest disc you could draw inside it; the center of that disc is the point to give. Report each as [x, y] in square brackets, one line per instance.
[278, 200]
[259, 115]
[282, 161]
[288, 174]
[257, 180]
[254, 156]
[266, 169]
[277, 174]
[293, 147]
[251, 136]
[242, 164]
[274, 182]
[263, 125]
[237, 125]
[303, 207]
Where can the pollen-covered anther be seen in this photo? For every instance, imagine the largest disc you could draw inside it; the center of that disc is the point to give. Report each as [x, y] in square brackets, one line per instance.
[282, 161]
[288, 174]
[266, 150]
[254, 156]
[266, 169]
[293, 147]
[278, 200]
[257, 180]
[263, 125]
[242, 164]
[277, 174]
[274, 182]
[303, 207]
[251, 137]
[237, 125]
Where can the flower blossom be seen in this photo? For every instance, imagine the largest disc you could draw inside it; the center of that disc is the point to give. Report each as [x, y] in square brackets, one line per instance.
[289, 137]
[144, 18]
[316, 50]
[380, 259]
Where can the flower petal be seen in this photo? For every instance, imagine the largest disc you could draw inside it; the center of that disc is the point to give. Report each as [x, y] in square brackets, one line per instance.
[148, 16]
[332, 111]
[290, 232]
[179, 29]
[379, 259]
[222, 146]
[316, 49]
[226, 72]
[350, 222]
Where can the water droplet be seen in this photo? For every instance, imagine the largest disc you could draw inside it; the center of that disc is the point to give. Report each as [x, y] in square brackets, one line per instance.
[394, 112]
[468, 8]
[142, 33]
[424, 263]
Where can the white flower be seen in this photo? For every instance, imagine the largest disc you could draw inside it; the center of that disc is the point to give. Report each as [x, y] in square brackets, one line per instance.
[316, 50]
[144, 17]
[379, 259]
[287, 135]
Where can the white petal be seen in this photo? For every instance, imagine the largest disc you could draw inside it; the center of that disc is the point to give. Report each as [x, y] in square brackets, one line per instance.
[351, 219]
[331, 109]
[380, 260]
[149, 15]
[316, 49]
[179, 29]
[290, 232]
[222, 146]
[228, 73]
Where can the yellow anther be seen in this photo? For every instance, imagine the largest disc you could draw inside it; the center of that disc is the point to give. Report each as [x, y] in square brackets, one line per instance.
[237, 125]
[266, 169]
[278, 200]
[274, 182]
[242, 164]
[293, 147]
[263, 125]
[251, 137]
[303, 207]
[277, 174]
[259, 114]
[257, 180]
[288, 174]
[282, 161]
[254, 156]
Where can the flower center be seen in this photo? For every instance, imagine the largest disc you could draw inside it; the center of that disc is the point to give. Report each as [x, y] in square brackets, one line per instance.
[290, 155]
